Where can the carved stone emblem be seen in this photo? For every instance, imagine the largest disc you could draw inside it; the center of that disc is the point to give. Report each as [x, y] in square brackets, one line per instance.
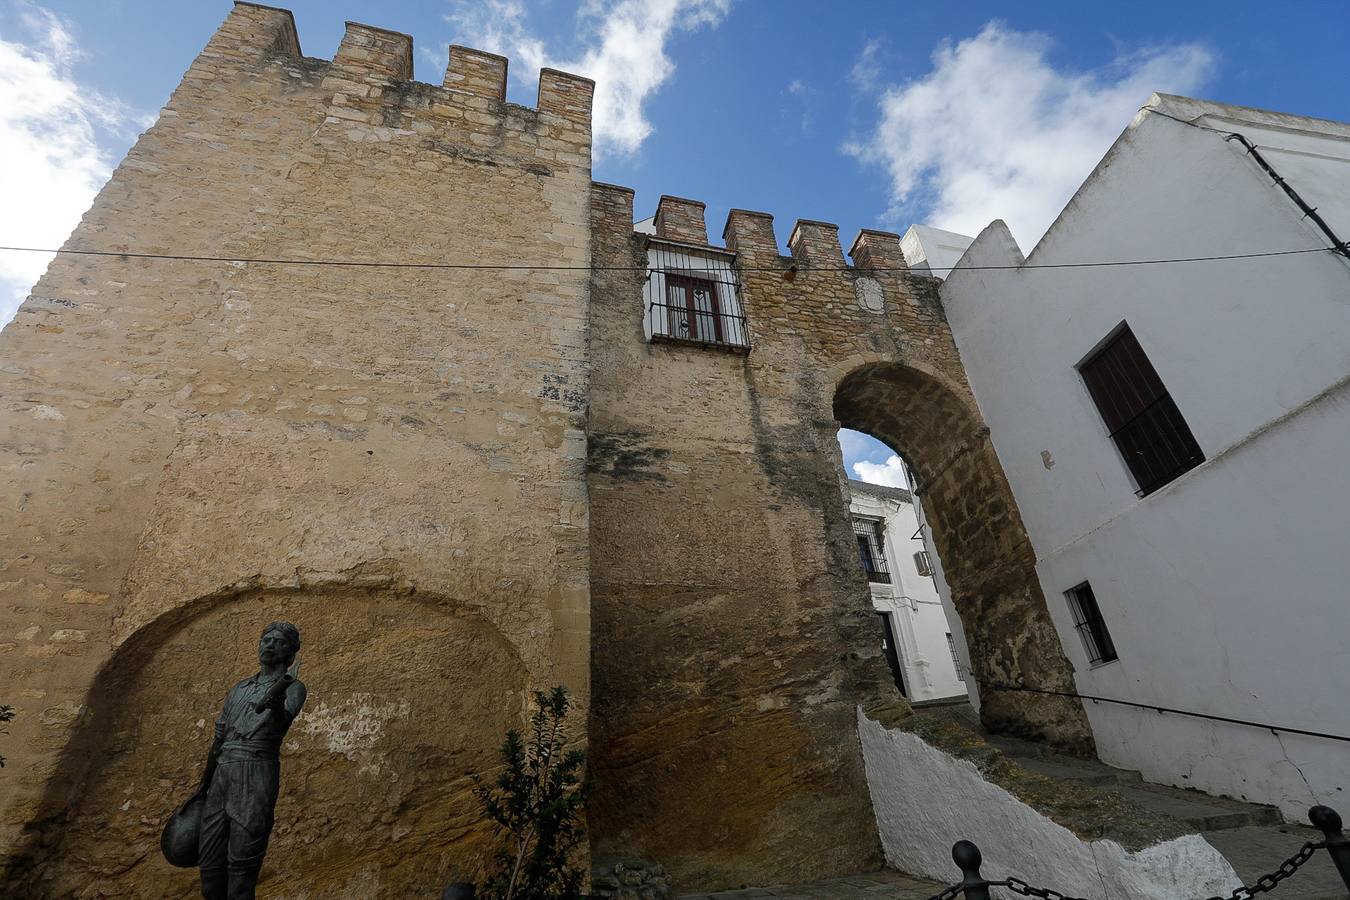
[868, 292]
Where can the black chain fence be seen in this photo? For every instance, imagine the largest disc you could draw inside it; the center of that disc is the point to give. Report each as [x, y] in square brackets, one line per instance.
[973, 887]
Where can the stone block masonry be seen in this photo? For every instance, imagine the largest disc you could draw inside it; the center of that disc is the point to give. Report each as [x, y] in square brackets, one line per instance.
[733, 634]
[391, 458]
[460, 484]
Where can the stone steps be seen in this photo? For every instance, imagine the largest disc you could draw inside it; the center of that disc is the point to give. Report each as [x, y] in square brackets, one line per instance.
[884, 885]
[1200, 811]
[1252, 837]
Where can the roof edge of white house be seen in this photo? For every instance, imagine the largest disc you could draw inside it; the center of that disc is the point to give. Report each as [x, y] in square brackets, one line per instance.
[1192, 109]
[993, 242]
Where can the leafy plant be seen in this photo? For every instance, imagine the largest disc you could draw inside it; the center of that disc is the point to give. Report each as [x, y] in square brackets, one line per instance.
[536, 803]
[6, 715]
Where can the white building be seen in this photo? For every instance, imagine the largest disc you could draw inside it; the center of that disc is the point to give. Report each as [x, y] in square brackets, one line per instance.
[932, 251]
[1177, 434]
[920, 646]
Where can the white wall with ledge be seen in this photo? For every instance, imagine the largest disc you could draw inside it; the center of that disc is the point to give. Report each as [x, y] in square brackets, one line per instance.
[926, 800]
[1223, 591]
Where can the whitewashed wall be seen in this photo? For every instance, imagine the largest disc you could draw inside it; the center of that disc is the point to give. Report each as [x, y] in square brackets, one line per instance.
[926, 800]
[1224, 592]
[912, 600]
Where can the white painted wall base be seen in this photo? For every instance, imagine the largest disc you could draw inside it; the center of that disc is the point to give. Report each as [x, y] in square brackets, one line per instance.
[925, 800]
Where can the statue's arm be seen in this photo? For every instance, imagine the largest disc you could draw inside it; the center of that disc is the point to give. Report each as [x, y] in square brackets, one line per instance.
[295, 698]
[288, 703]
[213, 756]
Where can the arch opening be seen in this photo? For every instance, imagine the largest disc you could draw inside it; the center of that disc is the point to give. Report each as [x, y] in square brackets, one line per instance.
[985, 555]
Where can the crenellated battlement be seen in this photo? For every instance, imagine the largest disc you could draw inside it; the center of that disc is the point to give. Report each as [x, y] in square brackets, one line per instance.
[812, 242]
[371, 77]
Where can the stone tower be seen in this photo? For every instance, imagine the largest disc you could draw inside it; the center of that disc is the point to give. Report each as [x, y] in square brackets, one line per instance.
[392, 458]
[461, 483]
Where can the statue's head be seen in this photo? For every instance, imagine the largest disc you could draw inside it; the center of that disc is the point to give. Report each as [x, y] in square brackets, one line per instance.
[280, 642]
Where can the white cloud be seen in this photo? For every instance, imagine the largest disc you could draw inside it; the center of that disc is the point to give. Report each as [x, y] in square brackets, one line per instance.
[995, 131]
[624, 50]
[866, 72]
[48, 140]
[891, 473]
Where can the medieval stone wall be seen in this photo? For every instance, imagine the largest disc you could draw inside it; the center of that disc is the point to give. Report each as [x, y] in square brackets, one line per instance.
[393, 458]
[733, 631]
[402, 460]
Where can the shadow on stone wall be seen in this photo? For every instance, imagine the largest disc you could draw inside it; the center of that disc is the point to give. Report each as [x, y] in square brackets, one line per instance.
[406, 700]
[986, 555]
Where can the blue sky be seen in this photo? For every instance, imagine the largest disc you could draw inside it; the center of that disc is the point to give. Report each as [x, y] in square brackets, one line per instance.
[868, 114]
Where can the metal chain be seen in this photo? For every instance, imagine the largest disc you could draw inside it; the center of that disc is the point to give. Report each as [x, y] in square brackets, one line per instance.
[949, 893]
[1018, 886]
[1246, 892]
[1268, 882]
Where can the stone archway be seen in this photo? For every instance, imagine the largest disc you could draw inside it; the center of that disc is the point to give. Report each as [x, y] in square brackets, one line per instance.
[408, 700]
[988, 560]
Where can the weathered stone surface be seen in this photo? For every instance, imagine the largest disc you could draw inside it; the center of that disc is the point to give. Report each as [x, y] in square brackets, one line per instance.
[630, 879]
[451, 466]
[392, 458]
[377, 787]
[733, 634]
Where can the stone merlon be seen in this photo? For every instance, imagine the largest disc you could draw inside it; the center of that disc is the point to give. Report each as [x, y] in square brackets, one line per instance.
[476, 72]
[877, 250]
[373, 56]
[816, 243]
[678, 219]
[748, 231]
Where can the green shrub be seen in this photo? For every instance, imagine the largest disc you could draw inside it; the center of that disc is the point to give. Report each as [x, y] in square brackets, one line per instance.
[536, 803]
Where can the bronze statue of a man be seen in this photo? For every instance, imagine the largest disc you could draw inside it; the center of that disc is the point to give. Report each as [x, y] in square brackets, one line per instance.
[243, 772]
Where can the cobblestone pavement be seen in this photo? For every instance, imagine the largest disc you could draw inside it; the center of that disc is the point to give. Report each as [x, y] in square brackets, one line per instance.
[886, 884]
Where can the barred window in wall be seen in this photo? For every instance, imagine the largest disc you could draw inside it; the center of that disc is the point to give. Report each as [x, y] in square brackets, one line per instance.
[692, 296]
[1091, 627]
[871, 549]
[956, 660]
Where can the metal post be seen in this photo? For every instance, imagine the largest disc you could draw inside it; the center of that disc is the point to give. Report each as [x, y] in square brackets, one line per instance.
[1328, 821]
[967, 858]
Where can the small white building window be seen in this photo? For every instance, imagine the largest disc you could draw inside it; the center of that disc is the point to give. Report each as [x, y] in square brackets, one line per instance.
[870, 535]
[923, 563]
[956, 660]
[1091, 627]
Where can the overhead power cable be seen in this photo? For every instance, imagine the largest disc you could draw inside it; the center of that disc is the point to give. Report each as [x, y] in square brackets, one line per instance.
[389, 264]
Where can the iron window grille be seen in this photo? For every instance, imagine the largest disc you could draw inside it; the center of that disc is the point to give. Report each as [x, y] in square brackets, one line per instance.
[692, 296]
[956, 660]
[871, 549]
[1091, 627]
[1140, 414]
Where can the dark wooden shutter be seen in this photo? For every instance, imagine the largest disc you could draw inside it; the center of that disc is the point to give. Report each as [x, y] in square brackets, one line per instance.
[1142, 417]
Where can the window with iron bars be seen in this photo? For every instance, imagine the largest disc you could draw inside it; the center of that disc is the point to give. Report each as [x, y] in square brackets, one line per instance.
[692, 297]
[1140, 414]
[956, 660]
[1091, 627]
[871, 549]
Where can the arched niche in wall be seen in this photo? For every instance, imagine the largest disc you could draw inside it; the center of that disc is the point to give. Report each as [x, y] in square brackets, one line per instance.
[408, 698]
